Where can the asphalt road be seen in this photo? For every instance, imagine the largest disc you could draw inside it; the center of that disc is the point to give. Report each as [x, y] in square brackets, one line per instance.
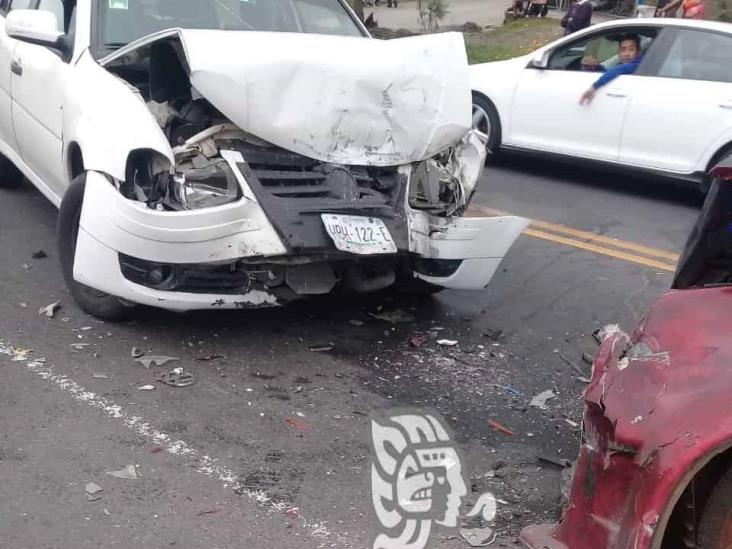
[270, 447]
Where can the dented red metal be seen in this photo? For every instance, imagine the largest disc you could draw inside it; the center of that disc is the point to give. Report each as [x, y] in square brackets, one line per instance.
[655, 408]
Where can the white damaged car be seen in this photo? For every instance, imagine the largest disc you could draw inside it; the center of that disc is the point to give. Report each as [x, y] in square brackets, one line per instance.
[239, 153]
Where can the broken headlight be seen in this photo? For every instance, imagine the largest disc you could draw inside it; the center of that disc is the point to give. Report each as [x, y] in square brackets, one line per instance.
[205, 187]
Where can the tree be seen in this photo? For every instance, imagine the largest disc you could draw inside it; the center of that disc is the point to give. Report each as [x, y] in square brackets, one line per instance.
[431, 12]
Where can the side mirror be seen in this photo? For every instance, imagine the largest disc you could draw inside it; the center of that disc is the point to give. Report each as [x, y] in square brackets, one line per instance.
[34, 26]
[540, 60]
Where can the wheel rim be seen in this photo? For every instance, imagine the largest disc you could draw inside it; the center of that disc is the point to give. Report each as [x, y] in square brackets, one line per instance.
[481, 120]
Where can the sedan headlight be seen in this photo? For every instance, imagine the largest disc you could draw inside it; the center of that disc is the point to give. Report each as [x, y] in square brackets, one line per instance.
[205, 187]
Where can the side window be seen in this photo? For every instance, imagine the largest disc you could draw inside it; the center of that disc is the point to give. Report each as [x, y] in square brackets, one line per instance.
[57, 8]
[597, 52]
[20, 4]
[699, 55]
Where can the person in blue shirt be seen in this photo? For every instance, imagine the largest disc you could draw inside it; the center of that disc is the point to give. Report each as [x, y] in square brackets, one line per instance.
[630, 58]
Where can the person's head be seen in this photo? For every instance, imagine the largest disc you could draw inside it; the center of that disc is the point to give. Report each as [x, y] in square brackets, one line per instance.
[629, 47]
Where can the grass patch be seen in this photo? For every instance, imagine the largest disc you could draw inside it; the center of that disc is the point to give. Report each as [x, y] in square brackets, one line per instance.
[514, 39]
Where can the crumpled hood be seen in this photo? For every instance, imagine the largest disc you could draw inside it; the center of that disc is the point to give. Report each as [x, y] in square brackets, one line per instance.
[336, 99]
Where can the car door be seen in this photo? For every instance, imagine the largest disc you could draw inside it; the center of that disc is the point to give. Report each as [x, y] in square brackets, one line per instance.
[676, 116]
[7, 45]
[38, 89]
[546, 113]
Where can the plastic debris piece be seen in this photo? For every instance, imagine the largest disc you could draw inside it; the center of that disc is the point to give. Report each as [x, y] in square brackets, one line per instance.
[584, 379]
[540, 400]
[155, 360]
[93, 491]
[572, 423]
[299, 414]
[100, 375]
[213, 356]
[395, 317]
[293, 512]
[23, 305]
[417, 340]
[510, 389]
[478, 537]
[40, 254]
[356, 323]
[128, 473]
[447, 342]
[322, 348]
[299, 425]
[79, 346]
[493, 424]
[50, 310]
[176, 378]
[587, 358]
[559, 462]
[146, 388]
[136, 353]
[106, 512]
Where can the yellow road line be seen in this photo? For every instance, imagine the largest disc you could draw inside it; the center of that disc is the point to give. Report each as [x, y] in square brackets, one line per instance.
[587, 236]
[617, 254]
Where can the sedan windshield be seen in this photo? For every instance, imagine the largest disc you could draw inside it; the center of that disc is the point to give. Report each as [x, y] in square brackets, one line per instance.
[123, 21]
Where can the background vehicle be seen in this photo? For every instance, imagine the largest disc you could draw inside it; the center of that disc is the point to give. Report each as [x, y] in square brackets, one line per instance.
[672, 117]
[655, 465]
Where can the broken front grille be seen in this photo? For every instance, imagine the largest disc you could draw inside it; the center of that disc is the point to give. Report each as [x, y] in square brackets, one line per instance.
[294, 190]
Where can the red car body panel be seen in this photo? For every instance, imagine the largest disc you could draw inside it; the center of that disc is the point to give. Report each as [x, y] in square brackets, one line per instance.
[658, 407]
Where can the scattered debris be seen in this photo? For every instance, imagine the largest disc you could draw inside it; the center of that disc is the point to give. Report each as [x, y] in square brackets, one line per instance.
[417, 340]
[293, 512]
[584, 379]
[100, 375]
[157, 450]
[79, 346]
[177, 378]
[299, 425]
[128, 473]
[559, 462]
[299, 414]
[154, 360]
[356, 323]
[26, 266]
[571, 364]
[493, 424]
[322, 348]
[40, 254]
[478, 537]
[209, 512]
[447, 342]
[509, 388]
[495, 335]
[540, 400]
[106, 512]
[210, 357]
[395, 317]
[587, 358]
[93, 491]
[146, 388]
[50, 310]
[136, 353]
[572, 423]
[23, 305]
[445, 362]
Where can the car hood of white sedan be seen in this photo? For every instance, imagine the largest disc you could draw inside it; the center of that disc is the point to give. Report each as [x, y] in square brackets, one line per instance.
[337, 99]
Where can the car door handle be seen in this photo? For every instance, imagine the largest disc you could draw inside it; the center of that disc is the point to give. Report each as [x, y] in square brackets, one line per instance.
[617, 94]
[16, 67]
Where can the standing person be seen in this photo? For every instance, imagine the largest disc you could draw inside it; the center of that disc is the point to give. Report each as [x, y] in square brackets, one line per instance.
[692, 9]
[578, 17]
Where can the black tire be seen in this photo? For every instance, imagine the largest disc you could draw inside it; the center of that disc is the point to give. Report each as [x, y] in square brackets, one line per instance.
[486, 120]
[10, 176]
[715, 526]
[94, 302]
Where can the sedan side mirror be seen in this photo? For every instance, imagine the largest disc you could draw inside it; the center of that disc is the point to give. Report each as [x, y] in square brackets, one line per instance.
[38, 27]
[540, 60]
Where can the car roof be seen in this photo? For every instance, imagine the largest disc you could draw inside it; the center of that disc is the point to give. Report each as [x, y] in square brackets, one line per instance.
[717, 26]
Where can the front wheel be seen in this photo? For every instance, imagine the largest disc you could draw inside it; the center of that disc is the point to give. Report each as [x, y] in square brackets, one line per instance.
[486, 121]
[715, 527]
[94, 302]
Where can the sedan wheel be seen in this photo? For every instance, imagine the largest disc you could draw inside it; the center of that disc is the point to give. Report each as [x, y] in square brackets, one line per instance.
[486, 121]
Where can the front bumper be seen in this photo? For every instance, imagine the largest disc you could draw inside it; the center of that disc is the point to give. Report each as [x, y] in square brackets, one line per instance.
[113, 227]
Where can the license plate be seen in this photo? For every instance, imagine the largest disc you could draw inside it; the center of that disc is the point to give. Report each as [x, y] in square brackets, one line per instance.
[359, 235]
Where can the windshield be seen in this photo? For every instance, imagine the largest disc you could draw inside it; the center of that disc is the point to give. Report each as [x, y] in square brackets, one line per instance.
[123, 21]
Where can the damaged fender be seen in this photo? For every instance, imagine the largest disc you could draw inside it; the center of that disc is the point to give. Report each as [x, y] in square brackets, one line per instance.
[656, 412]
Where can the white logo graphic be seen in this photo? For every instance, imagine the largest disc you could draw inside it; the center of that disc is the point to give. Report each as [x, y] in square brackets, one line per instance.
[417, 479]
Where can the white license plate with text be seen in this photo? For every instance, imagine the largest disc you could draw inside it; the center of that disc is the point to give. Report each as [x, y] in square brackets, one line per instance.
[359, 235]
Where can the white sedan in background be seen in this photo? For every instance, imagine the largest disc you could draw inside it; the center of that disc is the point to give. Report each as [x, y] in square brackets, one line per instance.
[672, 117]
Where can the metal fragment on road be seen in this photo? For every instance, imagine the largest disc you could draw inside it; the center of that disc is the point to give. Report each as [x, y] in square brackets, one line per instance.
[128, 473]
[395, 317]
[177, 378]
[540, 400]
[155, 360]
[136, 353]
[447, 342]
[478, 537]
[146, 388]
[322, 348]
[50, 310]
[93, 490]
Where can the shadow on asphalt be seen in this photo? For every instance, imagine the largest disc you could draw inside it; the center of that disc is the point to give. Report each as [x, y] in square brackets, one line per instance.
[619, 182]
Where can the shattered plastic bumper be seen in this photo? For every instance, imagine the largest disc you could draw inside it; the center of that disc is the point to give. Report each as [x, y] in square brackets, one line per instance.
[113, 228]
